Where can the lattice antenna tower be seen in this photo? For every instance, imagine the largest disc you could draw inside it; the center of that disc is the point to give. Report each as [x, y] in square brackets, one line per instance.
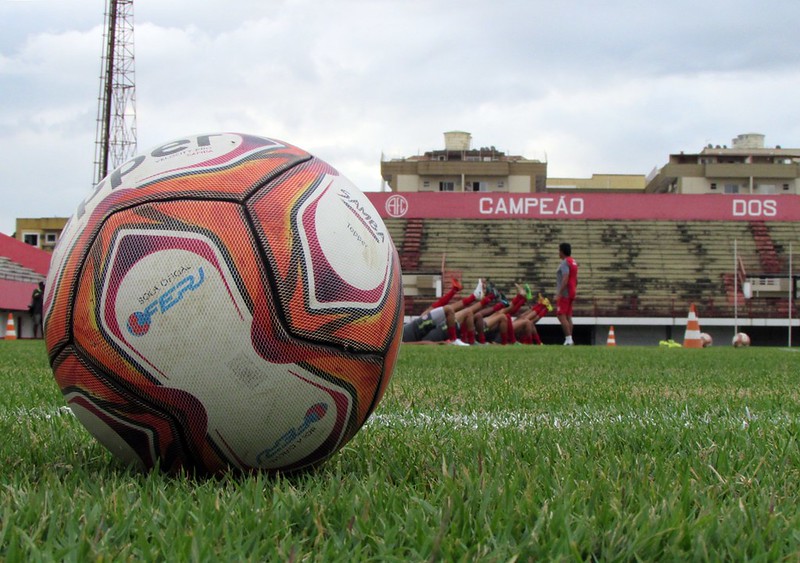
[116, 109]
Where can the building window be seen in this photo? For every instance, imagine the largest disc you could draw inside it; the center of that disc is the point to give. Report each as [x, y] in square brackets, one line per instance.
[477, 187]
[500, 183]
[713, 185]
[31, 238]
[50, 238]
[426, 184]
[786, 187]
[731, 188]
[447, 186]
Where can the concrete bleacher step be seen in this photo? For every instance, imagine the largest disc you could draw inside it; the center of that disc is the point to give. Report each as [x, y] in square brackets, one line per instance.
[660, 264]
[10, 270]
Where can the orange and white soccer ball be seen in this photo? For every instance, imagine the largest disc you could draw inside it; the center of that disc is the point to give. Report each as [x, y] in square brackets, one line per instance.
[706, 339]
[224, 301]
[740, 340]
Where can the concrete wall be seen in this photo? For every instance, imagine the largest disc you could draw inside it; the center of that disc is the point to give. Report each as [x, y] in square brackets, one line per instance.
[519, 184]
[408, 183]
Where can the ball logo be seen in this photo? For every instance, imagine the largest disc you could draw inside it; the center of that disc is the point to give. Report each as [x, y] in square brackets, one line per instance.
[363, 214]
[292, 437]
[139, 321]
[315, 413]
[396, 206]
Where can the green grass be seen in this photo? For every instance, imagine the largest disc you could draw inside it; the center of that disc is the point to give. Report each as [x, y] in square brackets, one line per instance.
[489, 453]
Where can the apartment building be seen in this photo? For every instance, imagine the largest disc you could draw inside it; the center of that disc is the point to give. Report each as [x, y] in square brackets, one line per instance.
[746, 167]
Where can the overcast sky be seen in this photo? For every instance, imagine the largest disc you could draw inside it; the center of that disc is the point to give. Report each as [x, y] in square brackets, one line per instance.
[592, 87]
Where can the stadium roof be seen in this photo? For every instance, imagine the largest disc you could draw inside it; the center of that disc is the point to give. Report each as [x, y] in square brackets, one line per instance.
[25, 255]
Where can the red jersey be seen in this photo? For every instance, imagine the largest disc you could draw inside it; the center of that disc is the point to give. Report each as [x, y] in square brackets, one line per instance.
[569, 268]
[572, 282]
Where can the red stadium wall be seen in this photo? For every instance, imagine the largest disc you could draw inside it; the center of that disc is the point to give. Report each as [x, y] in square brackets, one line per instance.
[632, 207]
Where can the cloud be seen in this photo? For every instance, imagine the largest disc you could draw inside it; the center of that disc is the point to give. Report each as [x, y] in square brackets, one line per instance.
[613, 88]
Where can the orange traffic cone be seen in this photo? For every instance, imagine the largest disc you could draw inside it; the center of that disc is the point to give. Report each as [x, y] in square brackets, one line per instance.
[692, 337]
[612, 340]
[11, 332]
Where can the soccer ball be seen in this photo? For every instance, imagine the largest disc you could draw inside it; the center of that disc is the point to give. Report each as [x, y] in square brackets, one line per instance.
[224, 302]
[706, 339]
[740, 340]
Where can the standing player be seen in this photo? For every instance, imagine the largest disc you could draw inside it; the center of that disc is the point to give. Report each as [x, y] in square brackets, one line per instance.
[36, 310]
[566, 290]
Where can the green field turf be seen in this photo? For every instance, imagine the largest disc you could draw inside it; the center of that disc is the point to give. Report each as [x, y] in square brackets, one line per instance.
[483, 453]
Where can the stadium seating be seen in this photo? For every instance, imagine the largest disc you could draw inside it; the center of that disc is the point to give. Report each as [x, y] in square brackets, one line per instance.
[10, 270]
[627, 268]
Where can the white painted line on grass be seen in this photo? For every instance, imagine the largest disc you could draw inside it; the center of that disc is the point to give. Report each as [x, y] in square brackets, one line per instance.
[35, 413]
[577, 419]
[513, 419]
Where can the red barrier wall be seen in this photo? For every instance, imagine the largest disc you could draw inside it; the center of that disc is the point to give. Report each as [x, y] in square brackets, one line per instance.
[664, 207]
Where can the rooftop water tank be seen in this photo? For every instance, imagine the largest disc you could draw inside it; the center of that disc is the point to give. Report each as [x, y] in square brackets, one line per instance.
[457, 141]
[749, 141]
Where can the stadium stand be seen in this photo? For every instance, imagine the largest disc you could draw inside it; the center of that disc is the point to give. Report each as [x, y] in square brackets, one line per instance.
[628, 268]
[765, 246]
[21, 267]
[10, 270]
